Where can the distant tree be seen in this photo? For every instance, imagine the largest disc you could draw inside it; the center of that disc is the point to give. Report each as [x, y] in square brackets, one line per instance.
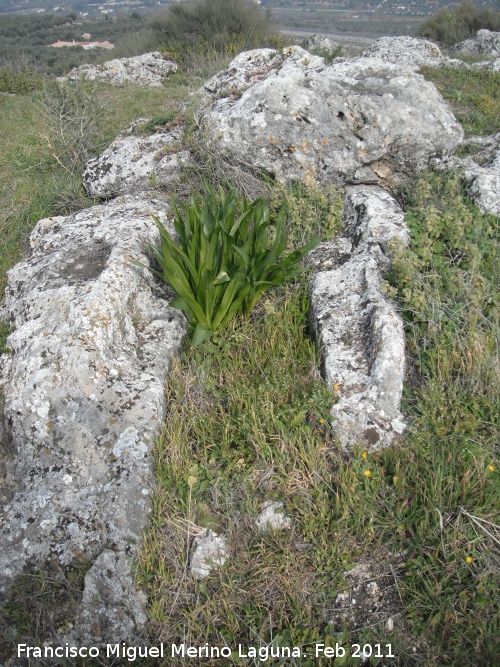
[463, 21]
[218, 26]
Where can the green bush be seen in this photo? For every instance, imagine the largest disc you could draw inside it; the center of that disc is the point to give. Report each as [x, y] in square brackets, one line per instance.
[211, 27]
[224, 261]
[450, 27]
[22, 81]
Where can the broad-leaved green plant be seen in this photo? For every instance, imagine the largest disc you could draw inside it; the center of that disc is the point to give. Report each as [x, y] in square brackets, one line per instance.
[225, 258]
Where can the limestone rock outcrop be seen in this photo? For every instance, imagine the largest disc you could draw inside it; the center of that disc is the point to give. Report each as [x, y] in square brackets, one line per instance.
[409, 53]
[359, 331]
[133, 163]
[322, 44]
[148, 70]
[83, 387]
[483, 182]
[485, 43]
[294, 117]
[481, 171]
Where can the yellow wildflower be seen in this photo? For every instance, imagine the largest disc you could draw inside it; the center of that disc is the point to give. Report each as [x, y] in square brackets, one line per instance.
[321, 421]
[491, 468]
[468, 559]
[368, 473]
[364, 455]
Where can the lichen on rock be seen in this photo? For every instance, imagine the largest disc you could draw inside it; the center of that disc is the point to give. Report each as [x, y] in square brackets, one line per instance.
[357, 121]
[83, 386]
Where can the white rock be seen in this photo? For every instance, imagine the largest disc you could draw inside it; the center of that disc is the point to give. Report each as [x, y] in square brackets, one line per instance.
[486, 42]
[358, 121]
[409, 53]
[136, 163]
[272, 517]
[483, 182]
[209, 552]
[149, 70]
[322, 44]
[360, 333]
[372, 588]
[80, 309]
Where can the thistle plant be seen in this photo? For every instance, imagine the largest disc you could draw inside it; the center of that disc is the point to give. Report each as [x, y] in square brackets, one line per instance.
[225, 258]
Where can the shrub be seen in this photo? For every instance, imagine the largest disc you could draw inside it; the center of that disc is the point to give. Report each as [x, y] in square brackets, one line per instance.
[465, 19]
[211, 27]
[71, 111]
[224, 262]
[19, 81]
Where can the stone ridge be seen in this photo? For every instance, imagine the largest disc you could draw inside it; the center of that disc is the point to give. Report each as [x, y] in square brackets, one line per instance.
[148, 69]
[84, 385]
[133, 163]
[359, 331]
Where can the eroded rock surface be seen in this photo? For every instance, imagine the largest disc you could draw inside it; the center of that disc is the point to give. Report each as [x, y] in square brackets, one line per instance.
[359, 331]
[84, 387]
[136, 163]
[149, 70]
[112, 610]
[409, 53]
[209, 552]
[483, 183]
[481, 171]
[486, 42]
[358, 121]
[272, 517]
[322, 44]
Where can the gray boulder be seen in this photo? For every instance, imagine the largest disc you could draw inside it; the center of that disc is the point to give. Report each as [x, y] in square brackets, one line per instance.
[83, 388]
[148, 70]
[358, 328]
[111, 610]
[481, 171]
[409, 53]
[483, 182]
[360, 121]
[488, 65]
[485, 43]
[322, 44]
[136, 163]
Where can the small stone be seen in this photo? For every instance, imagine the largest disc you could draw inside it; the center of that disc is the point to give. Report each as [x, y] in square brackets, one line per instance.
[372, 588]
[209, 552]
[272, 517]
[389, 625]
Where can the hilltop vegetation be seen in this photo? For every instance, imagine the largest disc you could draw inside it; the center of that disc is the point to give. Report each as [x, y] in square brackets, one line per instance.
[249, 413]
[463, 21]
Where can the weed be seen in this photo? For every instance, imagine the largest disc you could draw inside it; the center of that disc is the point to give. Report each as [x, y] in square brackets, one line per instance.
[225, 260]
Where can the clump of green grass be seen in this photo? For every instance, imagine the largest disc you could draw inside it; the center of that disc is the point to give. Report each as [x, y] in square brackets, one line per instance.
[474, 96]
[225, 259]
